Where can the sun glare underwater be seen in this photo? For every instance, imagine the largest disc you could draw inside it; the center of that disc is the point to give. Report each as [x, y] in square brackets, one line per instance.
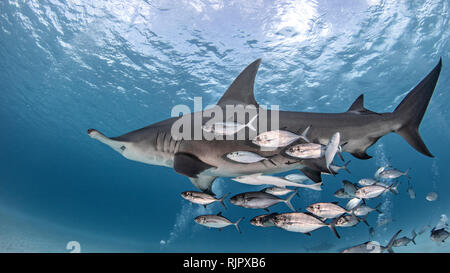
[117, 66]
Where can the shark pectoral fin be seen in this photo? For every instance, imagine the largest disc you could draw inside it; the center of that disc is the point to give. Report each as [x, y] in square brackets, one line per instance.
[312, 174]
[189, 165]
[361, 155]
[203, 183]
[241, 90]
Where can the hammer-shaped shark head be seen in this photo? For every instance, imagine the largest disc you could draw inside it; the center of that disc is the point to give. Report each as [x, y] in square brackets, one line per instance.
[135, 148]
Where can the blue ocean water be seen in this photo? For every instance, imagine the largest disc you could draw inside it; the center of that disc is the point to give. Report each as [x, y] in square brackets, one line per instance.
[66, 66]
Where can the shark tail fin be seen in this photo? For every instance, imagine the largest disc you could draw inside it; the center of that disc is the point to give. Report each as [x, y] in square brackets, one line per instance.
[249, 124]
[412, 109]
[223, 198]
[237, 224]
[388, 247]
[288, 201]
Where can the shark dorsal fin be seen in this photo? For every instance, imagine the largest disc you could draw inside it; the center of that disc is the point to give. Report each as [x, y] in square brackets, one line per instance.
[358, 107]
[241, 90]
[219, 214]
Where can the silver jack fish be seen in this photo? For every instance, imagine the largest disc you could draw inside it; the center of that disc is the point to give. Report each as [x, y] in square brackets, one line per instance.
[336, 169]
[374, 191]
[332, 149]
[259, 179]
[353, 203]
[439, 235]
[393, 174]
[264, 220]
[404, 241]
[202, 198]
[228, 128]
[279, 191]
[278, 138]
[259, 200]
[363, 210]
[350, 221]
[341, 193]
[327, 210]
[216, 221]
[349, 187]
[306, 151]
[372, 246]
[367, 182]
[302, 222]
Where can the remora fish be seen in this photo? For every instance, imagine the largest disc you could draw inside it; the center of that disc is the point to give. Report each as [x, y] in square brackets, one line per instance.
[167, 143]
[264, 220]
[245, 157]
[258, 179]
[302, 222]
[259, 200]
[279, 191]
[202, 198]
[228, 128]
[404, 241]
[363, 210]
[372, 246]
[374, 191]
[295, 177]
[392, 174]
[326, 210]
[217, 221]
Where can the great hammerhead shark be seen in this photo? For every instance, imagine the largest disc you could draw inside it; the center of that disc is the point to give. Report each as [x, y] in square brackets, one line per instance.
[202, 161]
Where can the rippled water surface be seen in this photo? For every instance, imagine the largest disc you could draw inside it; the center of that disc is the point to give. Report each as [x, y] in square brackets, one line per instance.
[66, 66]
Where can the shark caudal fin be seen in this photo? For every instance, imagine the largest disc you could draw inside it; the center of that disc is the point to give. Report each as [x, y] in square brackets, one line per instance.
[412, 109]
